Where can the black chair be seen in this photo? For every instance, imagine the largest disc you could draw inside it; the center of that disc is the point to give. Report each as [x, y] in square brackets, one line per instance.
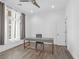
[37, 42]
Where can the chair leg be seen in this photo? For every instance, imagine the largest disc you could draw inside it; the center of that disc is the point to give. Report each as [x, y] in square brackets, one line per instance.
[52, 48]
[36, 46]
[43, 46]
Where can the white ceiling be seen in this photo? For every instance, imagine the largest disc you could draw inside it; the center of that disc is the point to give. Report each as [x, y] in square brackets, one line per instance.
[26, 7]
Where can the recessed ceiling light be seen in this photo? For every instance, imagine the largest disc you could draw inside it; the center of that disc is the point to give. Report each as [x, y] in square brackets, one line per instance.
[32, 11]
[52, 6]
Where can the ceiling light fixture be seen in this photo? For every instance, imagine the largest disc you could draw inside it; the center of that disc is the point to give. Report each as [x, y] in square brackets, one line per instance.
[52, 6]
[52, 3]
[33, 2]
[32, 11]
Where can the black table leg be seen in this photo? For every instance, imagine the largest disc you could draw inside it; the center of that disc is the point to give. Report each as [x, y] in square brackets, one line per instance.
[52, 48]
[24, 43]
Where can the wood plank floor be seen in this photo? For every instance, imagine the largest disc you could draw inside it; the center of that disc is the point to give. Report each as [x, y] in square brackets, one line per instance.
[19, 52]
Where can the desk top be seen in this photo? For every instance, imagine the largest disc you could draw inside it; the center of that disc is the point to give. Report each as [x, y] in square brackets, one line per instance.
[50, 40]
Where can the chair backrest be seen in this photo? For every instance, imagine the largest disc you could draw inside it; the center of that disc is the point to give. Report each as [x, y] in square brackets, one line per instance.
[38, 35]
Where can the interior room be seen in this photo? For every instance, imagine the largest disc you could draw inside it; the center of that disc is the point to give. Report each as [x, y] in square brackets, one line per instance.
[39, 29]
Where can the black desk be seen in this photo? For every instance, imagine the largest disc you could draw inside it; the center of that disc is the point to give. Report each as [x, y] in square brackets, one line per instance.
[48, 40]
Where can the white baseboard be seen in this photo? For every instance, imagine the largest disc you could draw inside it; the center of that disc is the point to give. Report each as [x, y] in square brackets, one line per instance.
[74, 55]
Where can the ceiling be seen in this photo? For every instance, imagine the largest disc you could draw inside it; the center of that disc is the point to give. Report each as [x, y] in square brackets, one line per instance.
[28, 7]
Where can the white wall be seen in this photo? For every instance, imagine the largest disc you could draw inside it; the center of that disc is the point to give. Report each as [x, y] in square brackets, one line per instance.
[73, 27]
[49, 23]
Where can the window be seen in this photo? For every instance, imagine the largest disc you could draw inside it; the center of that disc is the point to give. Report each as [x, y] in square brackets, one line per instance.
[9, 24]
[13, 22]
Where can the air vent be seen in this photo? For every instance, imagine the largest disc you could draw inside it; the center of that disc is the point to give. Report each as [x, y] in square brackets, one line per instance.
[25, 0]
[19, 4]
